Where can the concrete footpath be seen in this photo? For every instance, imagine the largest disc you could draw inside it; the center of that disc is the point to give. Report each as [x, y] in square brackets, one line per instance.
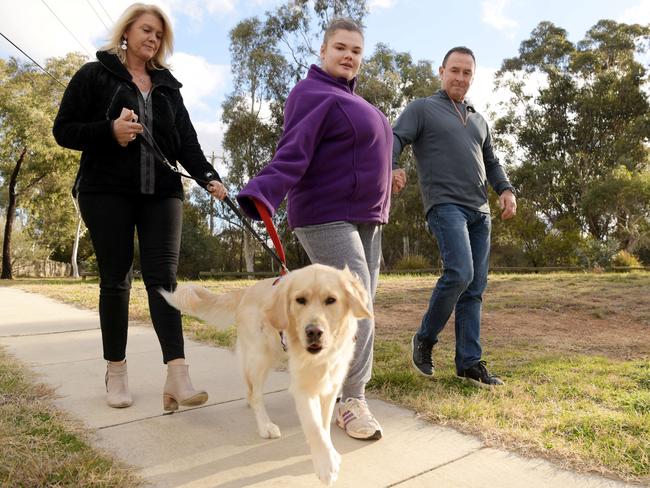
[216, 445]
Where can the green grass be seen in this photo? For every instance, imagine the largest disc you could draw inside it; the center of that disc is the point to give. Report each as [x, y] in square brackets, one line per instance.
[40, 446]
[573, 349]
[591, 411]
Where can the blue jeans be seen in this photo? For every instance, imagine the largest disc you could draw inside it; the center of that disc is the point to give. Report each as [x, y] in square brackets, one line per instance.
[463, 238]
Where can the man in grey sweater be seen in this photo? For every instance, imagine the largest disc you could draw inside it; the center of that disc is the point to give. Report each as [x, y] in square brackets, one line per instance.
[455, 163]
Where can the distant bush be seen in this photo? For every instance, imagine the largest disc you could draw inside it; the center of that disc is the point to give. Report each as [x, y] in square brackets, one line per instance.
[414, 261]
[625, 259]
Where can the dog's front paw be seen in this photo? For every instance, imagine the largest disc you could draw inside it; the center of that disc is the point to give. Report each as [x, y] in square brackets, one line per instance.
[269, 431]
[327, 465]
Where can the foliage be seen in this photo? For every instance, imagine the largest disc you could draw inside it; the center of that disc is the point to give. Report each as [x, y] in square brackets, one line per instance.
[23, 249]
[626, 260]
[581, 137]
[621, 200]
[35, 172]
[197, 244]
[414, 261]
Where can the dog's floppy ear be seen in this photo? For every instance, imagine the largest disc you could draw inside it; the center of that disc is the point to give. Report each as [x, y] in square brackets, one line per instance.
[276, 312]
[357, 295]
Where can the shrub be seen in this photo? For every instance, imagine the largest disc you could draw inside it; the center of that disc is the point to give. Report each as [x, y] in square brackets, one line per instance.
[625, 259]
[414, 261]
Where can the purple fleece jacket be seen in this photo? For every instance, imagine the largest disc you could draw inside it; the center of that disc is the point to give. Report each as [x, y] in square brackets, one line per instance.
[333, 160]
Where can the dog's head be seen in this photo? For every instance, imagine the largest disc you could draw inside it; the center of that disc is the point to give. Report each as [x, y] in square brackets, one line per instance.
[317, 306]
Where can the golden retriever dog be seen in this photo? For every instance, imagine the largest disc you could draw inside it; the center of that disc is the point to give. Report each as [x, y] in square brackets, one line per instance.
[316, 308]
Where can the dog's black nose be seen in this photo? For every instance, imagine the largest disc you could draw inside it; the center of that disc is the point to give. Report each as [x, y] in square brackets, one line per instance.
[313, 333]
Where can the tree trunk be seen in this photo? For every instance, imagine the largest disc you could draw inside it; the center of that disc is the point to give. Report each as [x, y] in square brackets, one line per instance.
[249, 253]
[7, 273]
[75, 249]
[75, 246]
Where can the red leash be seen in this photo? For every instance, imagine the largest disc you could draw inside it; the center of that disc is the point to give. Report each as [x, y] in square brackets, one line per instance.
[273, 234]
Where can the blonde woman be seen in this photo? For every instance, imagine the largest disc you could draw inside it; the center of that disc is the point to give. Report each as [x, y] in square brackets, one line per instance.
[121, 187]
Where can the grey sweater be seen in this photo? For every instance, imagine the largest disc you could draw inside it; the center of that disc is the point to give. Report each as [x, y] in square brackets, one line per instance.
[454, 163]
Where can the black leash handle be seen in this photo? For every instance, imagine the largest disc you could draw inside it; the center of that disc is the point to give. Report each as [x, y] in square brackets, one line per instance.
[151, 143]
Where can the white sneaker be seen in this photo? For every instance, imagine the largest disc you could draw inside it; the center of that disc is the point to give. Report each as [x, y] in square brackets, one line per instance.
[355, 418]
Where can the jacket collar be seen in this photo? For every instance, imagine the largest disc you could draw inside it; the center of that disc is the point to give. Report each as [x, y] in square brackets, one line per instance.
[317, 73]
[443, 94]
[158, 76]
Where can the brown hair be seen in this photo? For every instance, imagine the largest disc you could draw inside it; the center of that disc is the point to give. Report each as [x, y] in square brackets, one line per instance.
[339, 23]
[458, 49]
[130, 15]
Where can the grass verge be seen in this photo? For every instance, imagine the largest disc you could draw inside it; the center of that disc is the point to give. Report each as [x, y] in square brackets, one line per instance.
[40, 446]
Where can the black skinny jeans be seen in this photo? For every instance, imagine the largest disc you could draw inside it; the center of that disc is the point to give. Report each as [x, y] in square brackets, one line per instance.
[112, 219]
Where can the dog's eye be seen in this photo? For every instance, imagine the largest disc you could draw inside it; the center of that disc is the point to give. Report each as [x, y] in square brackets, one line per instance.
[330, 300]
[301, 300]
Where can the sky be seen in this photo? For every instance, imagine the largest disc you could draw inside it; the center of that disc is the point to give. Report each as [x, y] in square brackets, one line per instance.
[493, 29]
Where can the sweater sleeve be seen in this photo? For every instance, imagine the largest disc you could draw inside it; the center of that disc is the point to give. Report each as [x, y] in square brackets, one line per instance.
[494, 171]
[406, 129]
[191, 155]
[305, 115]
[72, 127]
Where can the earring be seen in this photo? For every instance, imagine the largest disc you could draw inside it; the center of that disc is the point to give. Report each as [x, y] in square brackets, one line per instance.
[123, 45]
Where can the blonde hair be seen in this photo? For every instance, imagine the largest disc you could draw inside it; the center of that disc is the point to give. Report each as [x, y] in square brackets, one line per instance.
[126, 20]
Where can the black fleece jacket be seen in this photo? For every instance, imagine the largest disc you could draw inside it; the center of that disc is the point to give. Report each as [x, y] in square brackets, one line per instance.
[95, 97]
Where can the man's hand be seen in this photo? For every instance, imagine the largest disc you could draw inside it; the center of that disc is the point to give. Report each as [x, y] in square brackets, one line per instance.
[216, 189]
[508, 203]
[399, 180]
[126, 128]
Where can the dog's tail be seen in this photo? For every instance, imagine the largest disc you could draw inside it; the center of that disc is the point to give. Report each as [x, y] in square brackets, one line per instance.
[215, 309]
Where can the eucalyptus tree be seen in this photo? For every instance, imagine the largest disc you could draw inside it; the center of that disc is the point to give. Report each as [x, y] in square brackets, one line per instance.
[36, 174]
[588, 122]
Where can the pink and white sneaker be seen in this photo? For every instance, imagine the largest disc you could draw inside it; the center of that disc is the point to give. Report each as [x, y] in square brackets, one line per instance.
[355, 418]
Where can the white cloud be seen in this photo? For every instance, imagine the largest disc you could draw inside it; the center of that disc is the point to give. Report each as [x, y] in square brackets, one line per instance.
[35, 28]
[493, 14]
[639, 14]
[197, 9]
[486, 100]
[377, 4]
[201, 80]
[203, 86]
[210, 135]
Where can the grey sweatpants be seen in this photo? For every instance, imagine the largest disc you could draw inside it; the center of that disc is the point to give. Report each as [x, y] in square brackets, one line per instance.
[359, 247]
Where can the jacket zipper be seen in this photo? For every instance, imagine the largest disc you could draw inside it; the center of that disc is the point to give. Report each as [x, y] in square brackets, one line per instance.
[147, 173]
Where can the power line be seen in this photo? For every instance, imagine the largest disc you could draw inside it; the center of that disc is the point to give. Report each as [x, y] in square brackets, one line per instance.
[97, 14]
[66, 28]
[106, 11]
[32, 60]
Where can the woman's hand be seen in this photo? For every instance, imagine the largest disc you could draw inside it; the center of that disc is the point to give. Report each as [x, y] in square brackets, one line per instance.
[216, 189]
[126, 128]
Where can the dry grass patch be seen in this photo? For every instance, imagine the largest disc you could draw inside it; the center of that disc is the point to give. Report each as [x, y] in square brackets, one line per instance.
[40, 446]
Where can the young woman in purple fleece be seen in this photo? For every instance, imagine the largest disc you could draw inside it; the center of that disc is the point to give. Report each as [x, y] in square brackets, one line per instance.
[333, 163]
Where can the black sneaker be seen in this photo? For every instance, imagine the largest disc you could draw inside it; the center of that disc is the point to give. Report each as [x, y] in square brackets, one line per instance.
[480, 376]
[421, 356]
